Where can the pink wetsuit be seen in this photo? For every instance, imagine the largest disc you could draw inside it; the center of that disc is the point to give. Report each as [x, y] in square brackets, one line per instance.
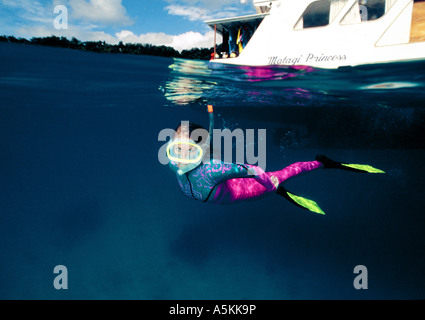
[220, 182]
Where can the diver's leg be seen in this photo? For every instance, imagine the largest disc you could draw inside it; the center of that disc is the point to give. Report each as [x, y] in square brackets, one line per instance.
[238, 189]
[295, 169]
[301, 167]
[247, 188]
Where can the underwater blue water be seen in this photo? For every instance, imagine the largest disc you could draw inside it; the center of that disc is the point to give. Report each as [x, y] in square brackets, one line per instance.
[81, 184]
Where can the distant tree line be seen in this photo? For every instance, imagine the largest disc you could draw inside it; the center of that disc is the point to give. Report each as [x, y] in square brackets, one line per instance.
[102, 46]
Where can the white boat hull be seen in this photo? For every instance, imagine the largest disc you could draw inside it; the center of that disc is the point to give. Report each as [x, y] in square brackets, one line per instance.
[335, 45]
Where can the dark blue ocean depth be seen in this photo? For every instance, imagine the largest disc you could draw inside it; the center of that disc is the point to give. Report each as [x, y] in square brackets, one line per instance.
[81, 184]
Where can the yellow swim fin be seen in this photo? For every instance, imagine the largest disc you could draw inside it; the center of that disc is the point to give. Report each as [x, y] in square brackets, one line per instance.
[362, 168]
[299, 201]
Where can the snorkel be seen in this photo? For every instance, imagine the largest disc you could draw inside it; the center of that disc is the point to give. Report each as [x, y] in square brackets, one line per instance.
[199, 151]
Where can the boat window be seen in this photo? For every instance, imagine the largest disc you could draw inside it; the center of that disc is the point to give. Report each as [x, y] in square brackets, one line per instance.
[316, 15]
[367, 10]
[320, 13]
[263, 6]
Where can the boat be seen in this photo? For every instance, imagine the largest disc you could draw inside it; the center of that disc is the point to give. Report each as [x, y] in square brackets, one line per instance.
[326, 34]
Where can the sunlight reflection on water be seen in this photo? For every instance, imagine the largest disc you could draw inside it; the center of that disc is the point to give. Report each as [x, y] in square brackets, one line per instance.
[191, 81]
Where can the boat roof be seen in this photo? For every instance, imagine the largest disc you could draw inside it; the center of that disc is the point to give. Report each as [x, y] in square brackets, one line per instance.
[250, 21]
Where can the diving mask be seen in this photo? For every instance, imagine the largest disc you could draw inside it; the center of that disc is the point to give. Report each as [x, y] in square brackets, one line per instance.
[184, 151]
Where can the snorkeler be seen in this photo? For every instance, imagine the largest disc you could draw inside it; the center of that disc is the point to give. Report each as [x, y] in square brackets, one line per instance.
[220, 182]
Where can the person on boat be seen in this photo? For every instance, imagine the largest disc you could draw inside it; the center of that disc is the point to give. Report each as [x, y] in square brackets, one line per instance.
[219, 182]
[232, 43]
[242, 38]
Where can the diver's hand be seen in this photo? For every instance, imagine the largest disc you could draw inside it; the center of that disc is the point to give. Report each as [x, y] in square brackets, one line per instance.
[275, 181]
[252, 172]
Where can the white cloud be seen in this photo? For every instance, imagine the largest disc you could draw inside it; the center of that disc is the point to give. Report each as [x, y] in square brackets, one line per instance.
[210, 5]
[184, 41]
[27, 5]
[109, 12]
[28, 9]
[79, 32]
[206, 10]
[190, 13]
[192, 39]
[103, 12]
[158, 39]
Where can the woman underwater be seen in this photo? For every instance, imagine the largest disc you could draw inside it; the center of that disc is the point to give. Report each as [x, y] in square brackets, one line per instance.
[220, 182]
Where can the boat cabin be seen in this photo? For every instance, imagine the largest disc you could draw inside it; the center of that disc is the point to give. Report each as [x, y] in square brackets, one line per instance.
[312, 28]
[236, 33]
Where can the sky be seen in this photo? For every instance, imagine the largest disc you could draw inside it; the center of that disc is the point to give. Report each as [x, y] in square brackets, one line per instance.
[176, 23]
